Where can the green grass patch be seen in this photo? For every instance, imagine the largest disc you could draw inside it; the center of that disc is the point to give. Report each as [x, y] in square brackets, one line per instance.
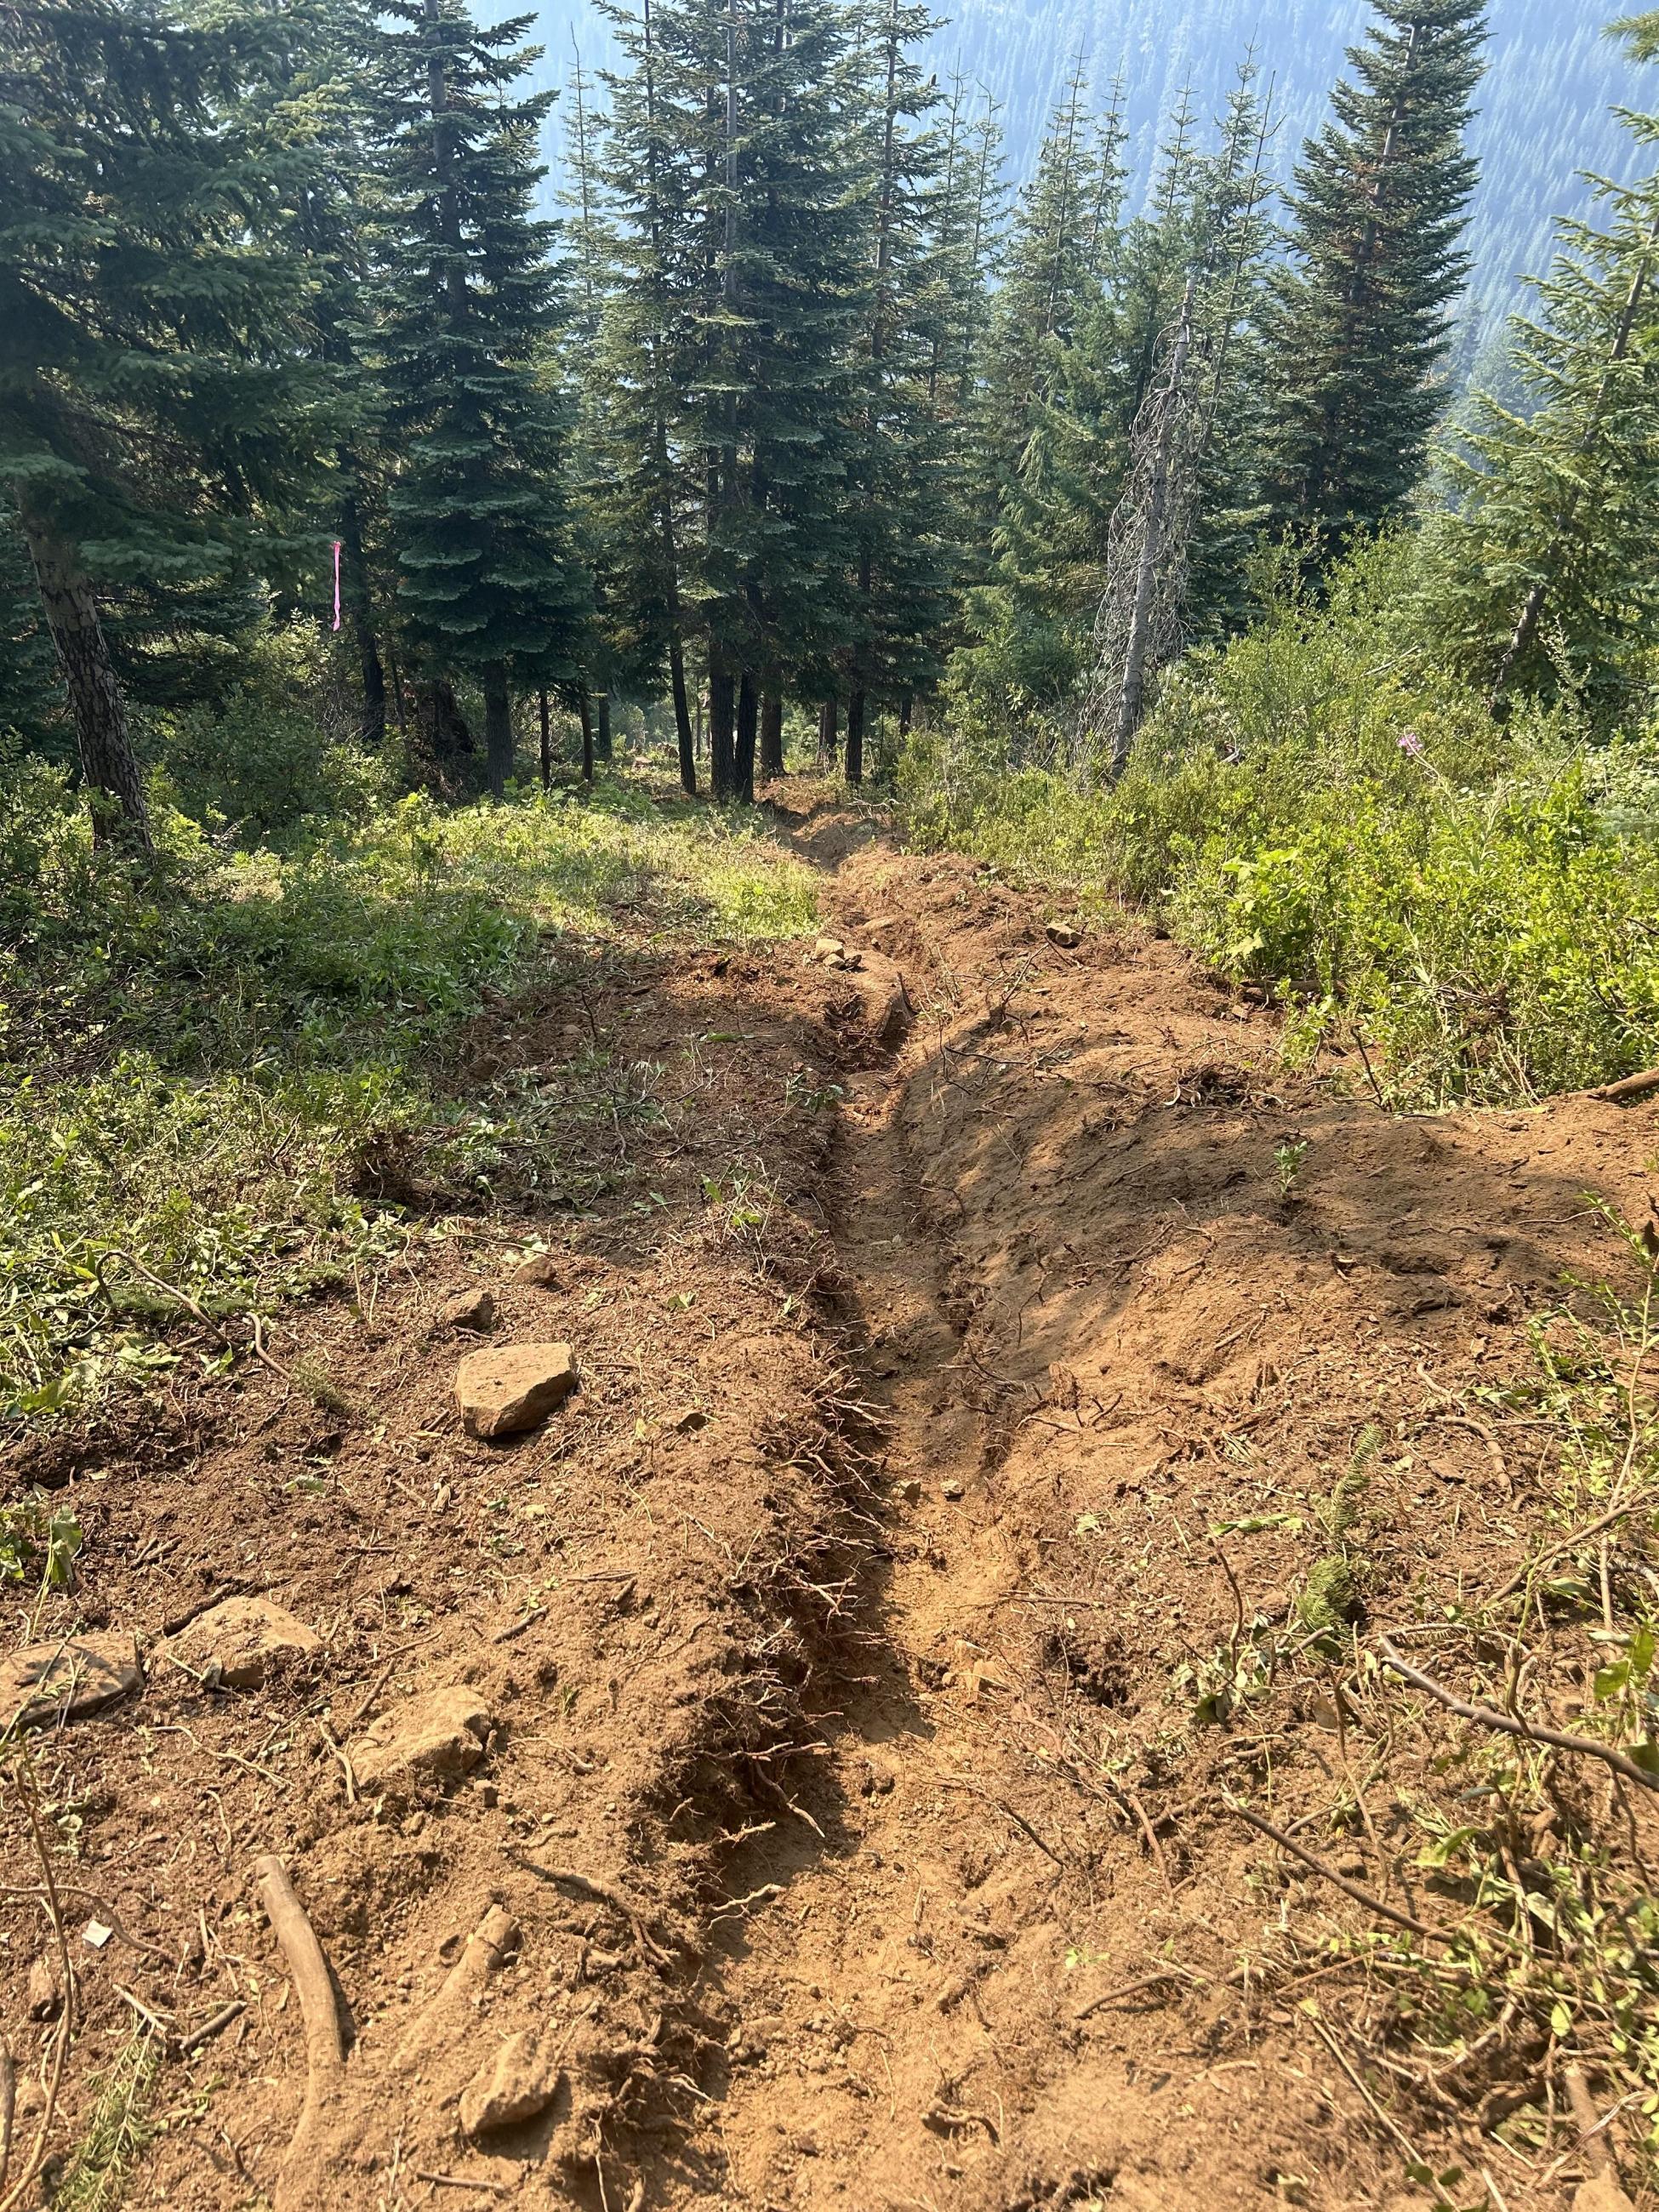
[200, 1068]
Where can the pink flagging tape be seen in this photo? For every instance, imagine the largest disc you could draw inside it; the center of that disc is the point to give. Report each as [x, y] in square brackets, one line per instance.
[337, 583]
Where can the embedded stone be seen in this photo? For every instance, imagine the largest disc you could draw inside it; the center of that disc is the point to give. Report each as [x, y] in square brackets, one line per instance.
[436, 1738]
[506, 1391]
[241, 1638]
[518, 2085]
[474, 1310]
[541, 1270]
[67, 1680]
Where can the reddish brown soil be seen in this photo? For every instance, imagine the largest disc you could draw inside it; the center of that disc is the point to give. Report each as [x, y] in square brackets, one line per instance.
[837, 1630]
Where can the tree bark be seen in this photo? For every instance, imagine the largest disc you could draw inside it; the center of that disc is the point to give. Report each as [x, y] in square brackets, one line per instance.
[588, 737]
[547, 740]
[498, 728]
[771, 735]
[1132, 698]
[684, 736]
[855, 708]
[829, 735]
[109, 766]
[362, 622]
[722, 728]
[748, 726]
[602, 735]
[442, 732]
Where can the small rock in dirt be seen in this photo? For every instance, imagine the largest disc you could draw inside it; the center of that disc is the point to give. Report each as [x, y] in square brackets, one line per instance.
[45, 1993]
[518, 2085]
[951, 1488]
[436, 1738]
[503, 1393]
[1062, 934]
[828, 948]
[688, 1420]
[473, 1310]
[541, 1270]
[908, 1493]
[67, 1679]
[1603, 2194]
[241, 1638]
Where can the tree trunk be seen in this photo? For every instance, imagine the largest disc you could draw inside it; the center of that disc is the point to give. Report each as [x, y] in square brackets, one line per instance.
[547, 740]
[588, 737]
[362, 623]
[748, 725]
[400, 705]
[498, 729]
[602, 735]
[722, 729]
[771, 735]
[829, 735]
[442, 735]
[855, 738]
[684, 735]
[1132, 698]
[109, 766]
[907, 708]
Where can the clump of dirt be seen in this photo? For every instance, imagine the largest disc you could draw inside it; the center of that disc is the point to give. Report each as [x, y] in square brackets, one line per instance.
[918, 1728]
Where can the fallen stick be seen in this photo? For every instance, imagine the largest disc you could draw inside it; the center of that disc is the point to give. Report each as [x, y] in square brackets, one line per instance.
[226, 2017]
[600, 1892]
[1330, 1874]
[313, 1985]
[457, 2181]
[1528, 1731]
[1129, 1990]
[1621, 1093]
[1645, 1503]
[8, 2109]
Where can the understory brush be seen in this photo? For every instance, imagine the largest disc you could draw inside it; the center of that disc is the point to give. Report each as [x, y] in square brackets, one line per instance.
[1320, 809]
[226, 1080]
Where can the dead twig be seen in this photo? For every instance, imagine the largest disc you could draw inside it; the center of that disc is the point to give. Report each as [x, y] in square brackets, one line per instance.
[36, 2159]
[457, 2181]
[1129, 1990]
[958, 1782]
[1624, 1092]
[1329, 1873]
[1648, 1499]
[1343, 2061]
[601, 1892]
[1528, 1731]
[226, 2017]
[172, 1291]
[8, 2107]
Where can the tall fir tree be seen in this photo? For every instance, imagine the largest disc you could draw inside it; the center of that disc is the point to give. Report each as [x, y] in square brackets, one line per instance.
[901, 504]
[1361, 312]
[491, 586]
[1543, 569]
[155, 417]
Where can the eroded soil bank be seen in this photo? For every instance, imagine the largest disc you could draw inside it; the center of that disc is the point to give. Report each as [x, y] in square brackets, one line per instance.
[813, 1768]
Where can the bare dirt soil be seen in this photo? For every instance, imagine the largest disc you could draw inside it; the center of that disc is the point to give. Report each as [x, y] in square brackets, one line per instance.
[805, 1771]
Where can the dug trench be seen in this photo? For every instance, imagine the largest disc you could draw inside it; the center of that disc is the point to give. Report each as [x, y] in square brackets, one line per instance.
[917, 1729]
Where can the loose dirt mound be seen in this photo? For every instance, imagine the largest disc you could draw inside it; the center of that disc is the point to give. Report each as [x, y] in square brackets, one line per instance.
[805, 1770]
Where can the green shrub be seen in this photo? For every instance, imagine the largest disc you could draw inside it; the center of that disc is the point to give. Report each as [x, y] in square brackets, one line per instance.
[1320, 808]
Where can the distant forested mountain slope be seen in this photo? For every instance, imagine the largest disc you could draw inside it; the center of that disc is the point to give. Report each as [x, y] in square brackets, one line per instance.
[1545, 104]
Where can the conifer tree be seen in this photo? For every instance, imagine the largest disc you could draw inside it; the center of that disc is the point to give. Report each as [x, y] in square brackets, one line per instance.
[491, 584]
[899, 487]
[1360, 315]
[1545, 562]
[152, 408]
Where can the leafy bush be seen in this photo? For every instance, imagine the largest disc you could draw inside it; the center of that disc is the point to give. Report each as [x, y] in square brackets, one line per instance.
[1319, 807]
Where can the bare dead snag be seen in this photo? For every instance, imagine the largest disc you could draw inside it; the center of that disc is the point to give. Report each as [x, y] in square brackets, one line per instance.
[314, 1987]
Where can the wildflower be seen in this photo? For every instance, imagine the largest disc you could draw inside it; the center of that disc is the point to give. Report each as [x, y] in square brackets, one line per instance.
[1411, 743]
